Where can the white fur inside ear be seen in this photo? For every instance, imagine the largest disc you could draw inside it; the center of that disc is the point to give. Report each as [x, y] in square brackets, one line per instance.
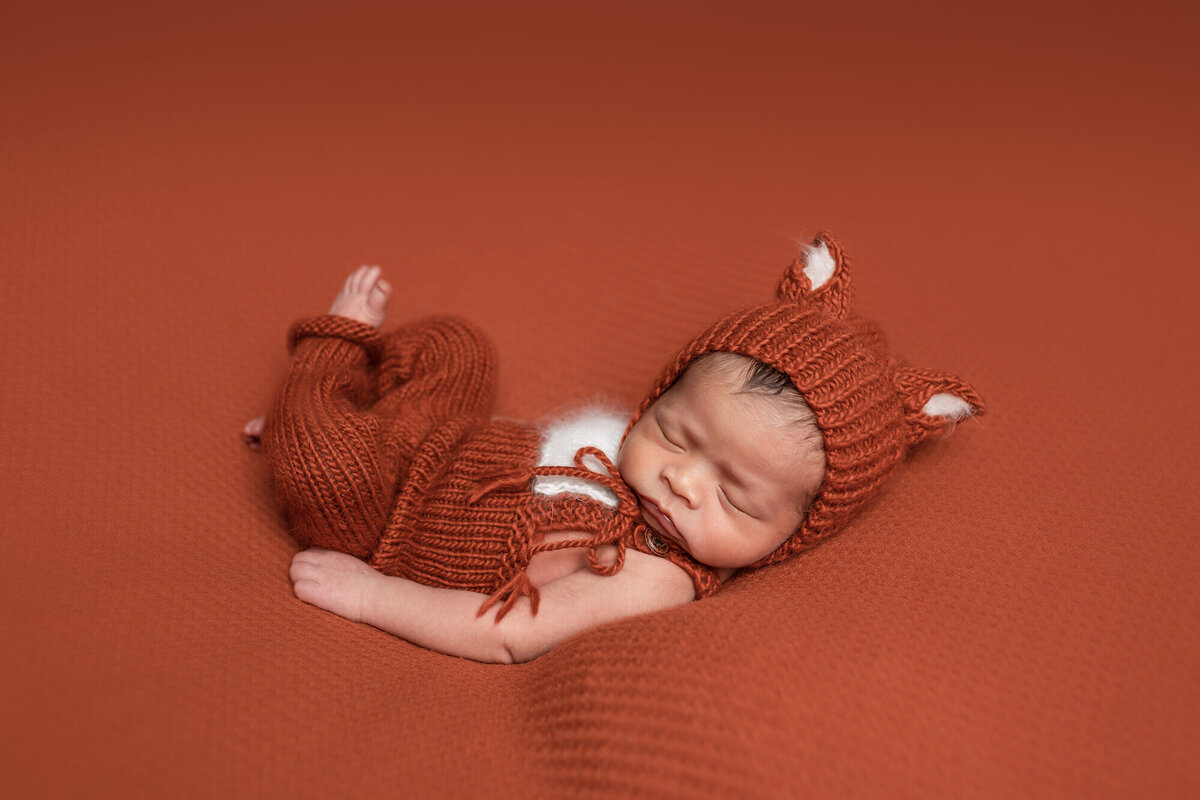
[818, 264]
[947, 405]
[593, 427]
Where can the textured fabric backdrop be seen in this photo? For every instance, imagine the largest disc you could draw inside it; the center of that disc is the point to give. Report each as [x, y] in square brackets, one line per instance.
[1016, 185]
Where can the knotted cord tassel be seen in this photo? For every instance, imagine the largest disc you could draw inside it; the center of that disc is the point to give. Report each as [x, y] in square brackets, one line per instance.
[627, 512]
[514, 589]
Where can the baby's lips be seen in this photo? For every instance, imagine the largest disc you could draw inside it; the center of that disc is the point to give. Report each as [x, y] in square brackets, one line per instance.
[666, 525]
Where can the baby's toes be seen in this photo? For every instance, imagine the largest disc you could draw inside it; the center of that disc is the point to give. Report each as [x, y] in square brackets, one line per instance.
[252, 432]
[353, 280]
[377, 300]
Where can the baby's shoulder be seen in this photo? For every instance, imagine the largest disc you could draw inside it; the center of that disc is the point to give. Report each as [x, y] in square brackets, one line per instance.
[658, 576]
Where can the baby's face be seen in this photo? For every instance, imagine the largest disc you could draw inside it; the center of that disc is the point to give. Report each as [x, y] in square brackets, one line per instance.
[718, 472]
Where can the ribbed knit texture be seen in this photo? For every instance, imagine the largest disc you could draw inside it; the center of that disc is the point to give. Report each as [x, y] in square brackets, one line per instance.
[868, 405]
[382, 446]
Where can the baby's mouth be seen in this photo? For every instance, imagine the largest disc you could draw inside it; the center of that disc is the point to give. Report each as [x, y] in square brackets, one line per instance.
[659, 520]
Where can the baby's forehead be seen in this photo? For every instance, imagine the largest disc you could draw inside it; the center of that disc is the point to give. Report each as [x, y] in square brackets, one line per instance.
[761, 430]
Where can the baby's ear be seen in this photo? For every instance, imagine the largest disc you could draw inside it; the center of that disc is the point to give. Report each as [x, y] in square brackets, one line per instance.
[934, 401]
[820, 274]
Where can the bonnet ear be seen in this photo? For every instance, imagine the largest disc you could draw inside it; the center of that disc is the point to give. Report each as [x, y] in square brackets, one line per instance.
[820, 274]
[934, 402]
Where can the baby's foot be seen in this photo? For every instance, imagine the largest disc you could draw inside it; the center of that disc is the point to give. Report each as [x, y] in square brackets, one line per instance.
[252, 433]
[364, 297]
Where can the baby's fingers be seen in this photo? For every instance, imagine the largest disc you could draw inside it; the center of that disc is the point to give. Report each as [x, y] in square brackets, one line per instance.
[310, 565]
[309, 579]
[330, 580]
[312, 555]
[306, 590]
[303, 571]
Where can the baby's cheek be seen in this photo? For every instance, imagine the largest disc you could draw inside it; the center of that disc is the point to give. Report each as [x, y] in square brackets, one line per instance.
[629, 458]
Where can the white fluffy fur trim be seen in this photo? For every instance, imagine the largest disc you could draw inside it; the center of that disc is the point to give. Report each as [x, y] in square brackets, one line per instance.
[561, 440]
[947, 405]
[818, 265]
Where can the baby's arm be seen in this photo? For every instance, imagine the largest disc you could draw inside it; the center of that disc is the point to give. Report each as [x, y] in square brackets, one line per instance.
[445, 619]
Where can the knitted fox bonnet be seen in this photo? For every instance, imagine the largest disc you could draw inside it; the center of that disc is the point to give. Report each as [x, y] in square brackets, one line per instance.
[871, 408]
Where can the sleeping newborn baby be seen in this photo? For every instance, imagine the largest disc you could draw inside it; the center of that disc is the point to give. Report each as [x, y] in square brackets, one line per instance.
[494, 540]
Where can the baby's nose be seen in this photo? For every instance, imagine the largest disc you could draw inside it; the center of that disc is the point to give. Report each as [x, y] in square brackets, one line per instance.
[682, 483]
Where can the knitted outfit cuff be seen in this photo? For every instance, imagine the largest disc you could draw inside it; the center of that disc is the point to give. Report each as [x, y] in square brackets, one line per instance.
[351, 330]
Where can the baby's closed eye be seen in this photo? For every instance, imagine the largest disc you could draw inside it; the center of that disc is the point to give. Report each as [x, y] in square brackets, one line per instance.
[734, 504]
[667, 438]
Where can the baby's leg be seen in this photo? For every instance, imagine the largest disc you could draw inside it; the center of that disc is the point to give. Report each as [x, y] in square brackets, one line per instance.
[364, 297]
[333, 473]
[439, 367]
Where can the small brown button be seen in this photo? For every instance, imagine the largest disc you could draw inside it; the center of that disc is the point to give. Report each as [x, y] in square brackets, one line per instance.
[657, 544]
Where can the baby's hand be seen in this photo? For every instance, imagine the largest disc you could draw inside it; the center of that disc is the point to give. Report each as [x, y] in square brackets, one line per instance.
[333, 581]
[364, 297]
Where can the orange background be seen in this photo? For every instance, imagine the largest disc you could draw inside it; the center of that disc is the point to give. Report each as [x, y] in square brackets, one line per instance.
[1016, 185]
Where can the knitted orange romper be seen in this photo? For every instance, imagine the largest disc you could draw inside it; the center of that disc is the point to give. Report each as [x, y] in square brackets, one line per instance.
[383, 446]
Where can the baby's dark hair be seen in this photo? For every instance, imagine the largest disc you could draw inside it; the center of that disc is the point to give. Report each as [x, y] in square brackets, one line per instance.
[766, 379]
[760, 378]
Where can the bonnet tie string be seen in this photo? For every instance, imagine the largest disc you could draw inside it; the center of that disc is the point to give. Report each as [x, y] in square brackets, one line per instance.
[612, 524]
